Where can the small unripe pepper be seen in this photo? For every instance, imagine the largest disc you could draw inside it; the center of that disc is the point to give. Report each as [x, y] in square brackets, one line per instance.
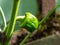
[29, 22]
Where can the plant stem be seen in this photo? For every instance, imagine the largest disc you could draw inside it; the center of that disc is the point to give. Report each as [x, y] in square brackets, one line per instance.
[3, 16]
[10, 28]
[22, 43]
[49, 14]
[12, 22]
[20, 18]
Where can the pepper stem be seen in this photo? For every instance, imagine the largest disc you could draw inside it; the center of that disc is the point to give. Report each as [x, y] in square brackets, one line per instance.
[20, 18]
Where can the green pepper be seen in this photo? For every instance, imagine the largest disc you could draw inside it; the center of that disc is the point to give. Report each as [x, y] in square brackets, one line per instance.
[29, 22]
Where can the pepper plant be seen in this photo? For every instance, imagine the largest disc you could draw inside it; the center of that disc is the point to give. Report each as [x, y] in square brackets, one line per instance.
[28, 21]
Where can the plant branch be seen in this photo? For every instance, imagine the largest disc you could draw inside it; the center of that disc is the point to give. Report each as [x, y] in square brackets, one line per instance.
[22, 43]
[48, 14]
[20, 18]
[11, 25]
[12, 22]
[3, 16]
